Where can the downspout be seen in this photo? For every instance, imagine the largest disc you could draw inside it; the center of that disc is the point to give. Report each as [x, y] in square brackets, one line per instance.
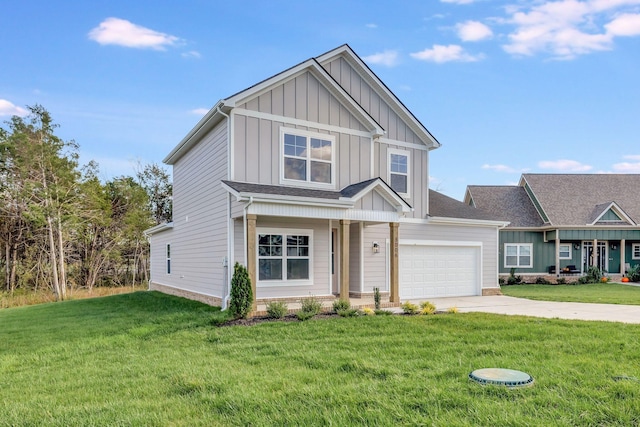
[227, 288]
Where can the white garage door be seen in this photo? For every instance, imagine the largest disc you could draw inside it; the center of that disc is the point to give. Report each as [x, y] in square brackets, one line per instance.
[428, 271]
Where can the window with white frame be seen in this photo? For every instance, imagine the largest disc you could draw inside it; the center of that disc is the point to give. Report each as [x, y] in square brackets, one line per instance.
[564, 251]
[307, 157]
[284, 256]
[635, 251]
[168, 258]
[399, 169]
[518, 255]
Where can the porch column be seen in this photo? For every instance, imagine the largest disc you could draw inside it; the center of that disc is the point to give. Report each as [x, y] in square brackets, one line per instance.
[344, 258]
[394, 283]
[557, 253]
[622, 254]
[251, 254]
[594, 253]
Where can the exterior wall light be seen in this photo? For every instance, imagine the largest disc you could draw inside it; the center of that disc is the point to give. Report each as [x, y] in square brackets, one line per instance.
[376, 247]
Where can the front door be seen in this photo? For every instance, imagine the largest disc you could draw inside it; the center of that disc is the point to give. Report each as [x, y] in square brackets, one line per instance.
[599, 258]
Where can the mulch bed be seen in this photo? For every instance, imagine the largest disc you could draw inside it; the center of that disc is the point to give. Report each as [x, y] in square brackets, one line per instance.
[264, 319]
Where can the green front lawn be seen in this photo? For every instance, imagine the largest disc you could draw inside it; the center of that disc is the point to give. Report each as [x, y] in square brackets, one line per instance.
[603, 293]
[151, 359]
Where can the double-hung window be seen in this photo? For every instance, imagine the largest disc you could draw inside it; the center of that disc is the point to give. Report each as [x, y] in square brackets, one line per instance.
[518, 255]
[307, 158]
[399, 168]
[635, 251]
[284, 256]
[564, 250]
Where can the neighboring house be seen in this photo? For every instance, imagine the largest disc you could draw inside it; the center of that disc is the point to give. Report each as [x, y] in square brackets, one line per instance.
[565, 223]
[317, 180]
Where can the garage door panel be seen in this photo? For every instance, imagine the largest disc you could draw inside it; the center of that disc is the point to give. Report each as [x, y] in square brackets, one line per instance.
[438, 271]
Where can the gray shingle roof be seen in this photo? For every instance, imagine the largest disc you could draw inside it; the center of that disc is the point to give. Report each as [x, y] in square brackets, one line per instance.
[447, 207]
[570, 199]
[510, 203]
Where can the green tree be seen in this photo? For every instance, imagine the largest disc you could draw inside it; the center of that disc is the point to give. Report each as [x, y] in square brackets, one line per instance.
[241, 292]
[157, 183]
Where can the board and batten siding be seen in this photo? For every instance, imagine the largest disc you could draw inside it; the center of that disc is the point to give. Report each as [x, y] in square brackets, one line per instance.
[199, 240]
[375, 272]
[355, 248]
[256, 139]
[454, 234]
[321, 258]
[371, 101]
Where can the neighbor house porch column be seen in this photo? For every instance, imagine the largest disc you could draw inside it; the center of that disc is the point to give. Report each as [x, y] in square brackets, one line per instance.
[594, 253]
[394, 272]
[344, 258]
[623, 261]
[557, 253]
[251, 254]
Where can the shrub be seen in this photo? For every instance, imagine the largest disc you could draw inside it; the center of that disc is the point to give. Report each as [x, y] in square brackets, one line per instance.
[277, 309]
[452, 310]
[341, 304]
[409, 308]
[241, 293]
[542, 281]
[427, 307]
[501, 281]
[382, 312]
[376, 297]
[309, 307]
[513, 279]
[594, 275]
[561, 281]
[634, 273]
[349, 312]
[368, 311]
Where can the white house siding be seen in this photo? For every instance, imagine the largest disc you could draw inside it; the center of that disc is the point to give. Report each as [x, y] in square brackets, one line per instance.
[158, 243]
[355, 249]
[375, 264]
[199, 237]
[321, 258]
[370, 100]
[373, 201]
[238, 241]
[460, 233]
[303, 104]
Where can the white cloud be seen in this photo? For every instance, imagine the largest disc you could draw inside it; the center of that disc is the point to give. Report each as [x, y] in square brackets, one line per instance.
[627, 24]
[388, 58]
[372, 25]
[564, 165]
[121, 32]
[566, 29]
[192, 54]
[627, 167]
[9, 109]
[632, 157]
[499, 168]
[441, 54]
[472, 31]
[199, 111]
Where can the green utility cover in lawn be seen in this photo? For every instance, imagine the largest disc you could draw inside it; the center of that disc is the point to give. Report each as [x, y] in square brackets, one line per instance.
[499, 376]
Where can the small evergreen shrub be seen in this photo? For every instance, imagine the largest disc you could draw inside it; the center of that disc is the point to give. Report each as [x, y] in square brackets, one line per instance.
[634, 273]
[513, 279]
[594, 275]
[341, 304]
[409, 308]
[309, 307]
[376, 297]
[368, 311]
[561, 281]
[277, 309]
[542, 281]
[382, 312]
[349, 312]
[241, 292]
[501, 281]
[427, 307]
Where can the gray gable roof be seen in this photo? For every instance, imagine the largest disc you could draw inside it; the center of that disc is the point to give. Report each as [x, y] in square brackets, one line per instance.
[447, 207]
[510, 203]
[570, 199]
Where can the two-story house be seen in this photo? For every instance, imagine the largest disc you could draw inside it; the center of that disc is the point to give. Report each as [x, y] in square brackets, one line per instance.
[317, 179]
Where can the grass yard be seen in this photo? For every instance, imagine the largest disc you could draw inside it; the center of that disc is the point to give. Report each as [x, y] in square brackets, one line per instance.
[150, 359]
[603, 293]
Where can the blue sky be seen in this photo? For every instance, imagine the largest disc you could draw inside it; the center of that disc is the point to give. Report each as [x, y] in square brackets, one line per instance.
[507, 86]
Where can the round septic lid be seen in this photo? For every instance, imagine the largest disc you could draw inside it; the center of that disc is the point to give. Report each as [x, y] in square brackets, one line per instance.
[499, 376]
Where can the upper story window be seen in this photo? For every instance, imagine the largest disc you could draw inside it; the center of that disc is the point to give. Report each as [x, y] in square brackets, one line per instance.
[399, 162]
[307, 158]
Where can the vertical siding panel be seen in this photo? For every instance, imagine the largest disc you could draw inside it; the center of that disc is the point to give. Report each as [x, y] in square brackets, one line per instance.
[354, 257]
[252, 154]
[355, 158]
[265, 102]
[313, 99]
[240, 137]
[302, 100]
[290, 99]
[277, 101]
[266, 162]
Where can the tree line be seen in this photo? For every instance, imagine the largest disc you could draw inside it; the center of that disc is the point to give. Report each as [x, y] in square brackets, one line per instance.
[61, 227]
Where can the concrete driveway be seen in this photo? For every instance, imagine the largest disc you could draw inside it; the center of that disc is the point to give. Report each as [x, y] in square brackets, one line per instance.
[524, 307]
